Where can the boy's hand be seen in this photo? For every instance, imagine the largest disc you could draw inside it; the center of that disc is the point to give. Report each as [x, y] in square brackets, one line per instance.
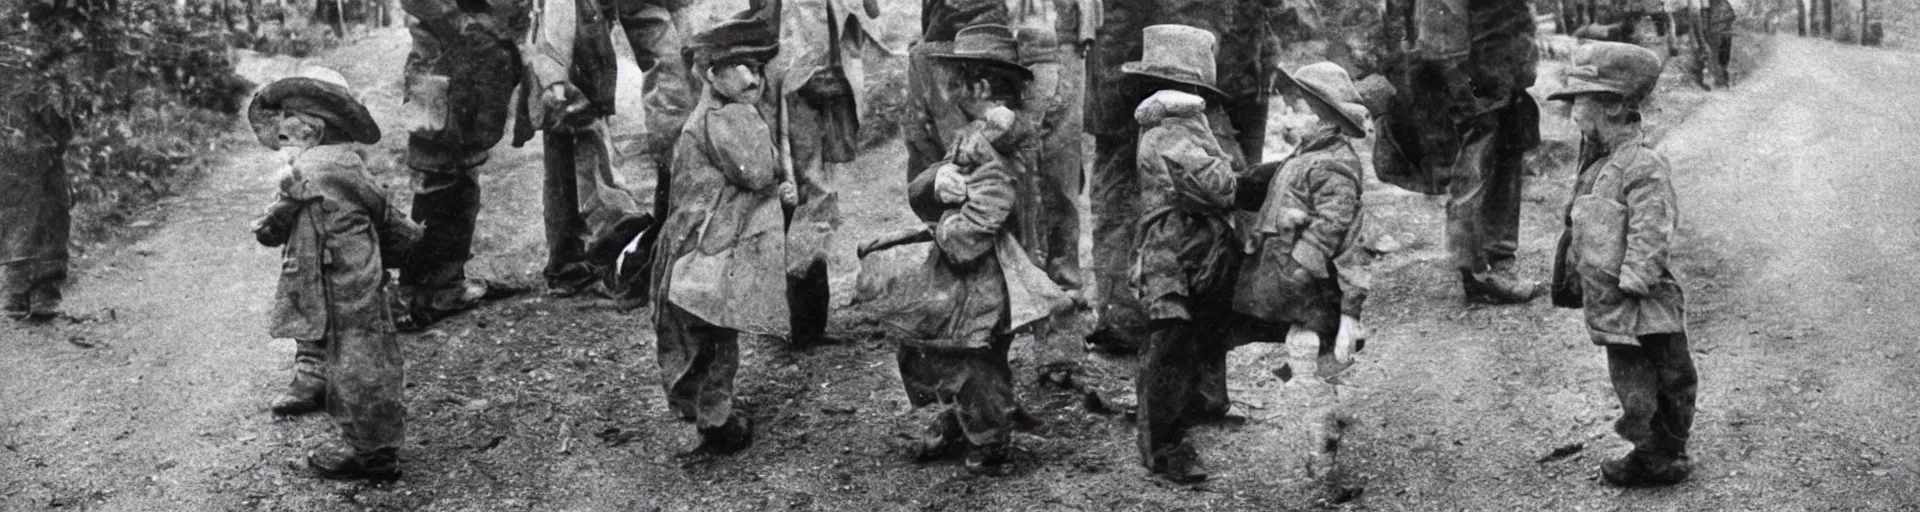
[789, 194]
[949, 186]
[1632, 285]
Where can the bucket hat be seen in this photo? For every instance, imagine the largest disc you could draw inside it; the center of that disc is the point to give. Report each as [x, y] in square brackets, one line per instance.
[1329, 84]
[315, 91]
[746, 37]
[1628, 70]
[1177, 53]
[990, 44]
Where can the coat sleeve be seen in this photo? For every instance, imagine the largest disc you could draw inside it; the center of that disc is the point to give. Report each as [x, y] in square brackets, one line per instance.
[548, 49]
[1251, 190]
[921, 197]
[741, 147]
[1200, 176]
[968, 232]
[1336, 207]
[1650, 223]
[273, 227]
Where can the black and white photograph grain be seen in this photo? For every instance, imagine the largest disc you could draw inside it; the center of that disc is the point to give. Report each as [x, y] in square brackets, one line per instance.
[959, 255]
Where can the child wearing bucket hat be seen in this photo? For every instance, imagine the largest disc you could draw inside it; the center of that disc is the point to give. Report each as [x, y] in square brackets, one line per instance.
[1614, 262]
[1185, 250]
[338, 234]
[956, 314]
[1305, 274]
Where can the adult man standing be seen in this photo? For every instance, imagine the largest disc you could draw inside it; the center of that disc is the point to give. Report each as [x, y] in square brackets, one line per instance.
[570, 57]
[34, 211]
[1462, 127]
[814, 88]
[470, 54]
[1245, 71]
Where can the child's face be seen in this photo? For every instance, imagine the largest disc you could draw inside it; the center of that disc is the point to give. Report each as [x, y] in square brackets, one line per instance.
[1595, 115]
[736, 82]
[973, 96]
[1305, 121]
[299, 130]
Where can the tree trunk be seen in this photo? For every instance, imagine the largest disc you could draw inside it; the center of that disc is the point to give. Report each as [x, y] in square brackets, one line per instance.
[339, 20]
[1860, 29]
[1802, 8]
[1826, 18]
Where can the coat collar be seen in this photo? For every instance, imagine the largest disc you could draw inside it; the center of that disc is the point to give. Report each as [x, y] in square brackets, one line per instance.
[1325, 138]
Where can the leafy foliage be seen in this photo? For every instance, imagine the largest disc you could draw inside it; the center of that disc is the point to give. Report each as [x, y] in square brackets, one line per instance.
[127, 92]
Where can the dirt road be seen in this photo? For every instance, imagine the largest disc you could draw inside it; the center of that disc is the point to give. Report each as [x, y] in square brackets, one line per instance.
[1799, 244]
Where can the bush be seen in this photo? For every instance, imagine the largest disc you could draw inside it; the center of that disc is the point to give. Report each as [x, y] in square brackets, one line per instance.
[132, 91]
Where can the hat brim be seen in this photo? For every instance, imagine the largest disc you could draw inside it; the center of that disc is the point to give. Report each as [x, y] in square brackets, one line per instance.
[336, 103]
[756, 54]
[1014, 66]
[1140, 69]
[1352, 116]
[1581, 87]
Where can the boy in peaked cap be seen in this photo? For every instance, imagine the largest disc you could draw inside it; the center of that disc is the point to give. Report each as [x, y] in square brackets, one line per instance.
[722, 244]
[338, 235]
[1614, 262]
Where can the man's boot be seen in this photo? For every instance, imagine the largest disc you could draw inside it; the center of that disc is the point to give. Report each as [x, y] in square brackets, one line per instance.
[1494, 286]
[17, 305]
[727, 439]
[308, 391]
[1180, 465]
[808, 301]
[43, 302]
[1642, 467]
[337, 461]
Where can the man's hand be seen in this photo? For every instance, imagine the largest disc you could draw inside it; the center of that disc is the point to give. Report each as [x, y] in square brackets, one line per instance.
[1350, 334]
[949, 186]
[562, 102]
[789, 194]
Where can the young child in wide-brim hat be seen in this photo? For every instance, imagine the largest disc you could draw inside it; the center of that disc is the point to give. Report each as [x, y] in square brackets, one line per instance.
[955, 315]
[338, 234]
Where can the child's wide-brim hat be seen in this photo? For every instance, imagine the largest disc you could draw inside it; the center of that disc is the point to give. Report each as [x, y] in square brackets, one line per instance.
[1331, 86]
[1177, 53]
[315, 91]
[747, 37]
[1628, 70]
[989, 44]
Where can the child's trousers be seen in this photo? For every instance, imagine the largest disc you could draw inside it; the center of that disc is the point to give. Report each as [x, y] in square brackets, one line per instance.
[365, 374]
[973, 388]
[1655, 382]
[1183, 378]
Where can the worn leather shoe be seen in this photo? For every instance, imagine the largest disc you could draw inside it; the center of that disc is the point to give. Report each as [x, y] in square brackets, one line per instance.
[338, 462]
[1497, 288]
[987, 460]
[1642, 469]
[1181, 466]
[733, 437]
[296, 403]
